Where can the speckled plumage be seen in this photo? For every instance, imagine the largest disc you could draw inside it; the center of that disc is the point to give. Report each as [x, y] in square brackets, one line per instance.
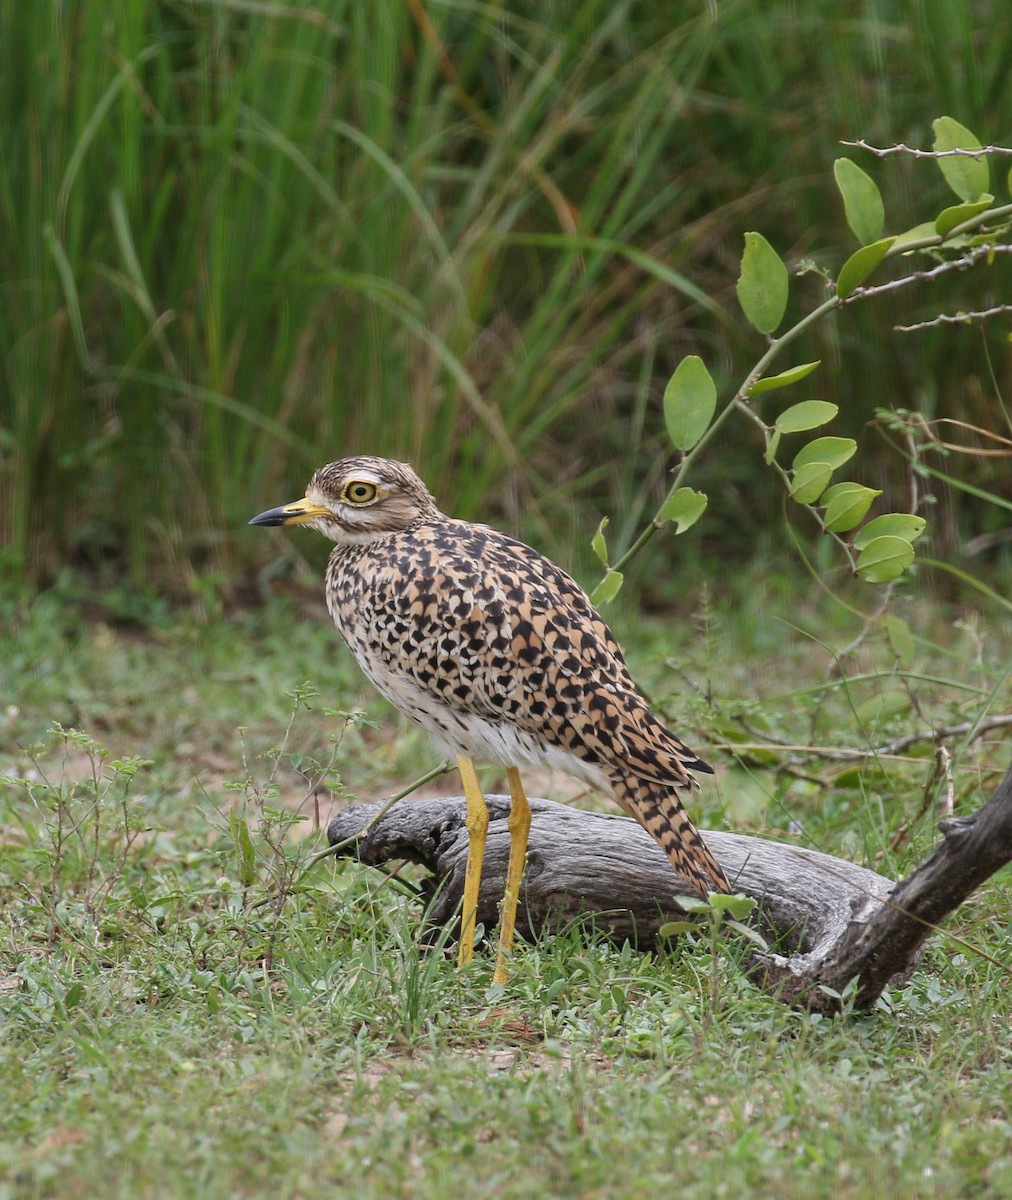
[493, 649]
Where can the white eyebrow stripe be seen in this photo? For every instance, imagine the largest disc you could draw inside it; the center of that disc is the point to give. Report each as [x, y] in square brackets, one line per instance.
[359, 476]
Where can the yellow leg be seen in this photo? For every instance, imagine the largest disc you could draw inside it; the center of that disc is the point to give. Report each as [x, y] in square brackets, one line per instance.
[476, 825]
[519, 825]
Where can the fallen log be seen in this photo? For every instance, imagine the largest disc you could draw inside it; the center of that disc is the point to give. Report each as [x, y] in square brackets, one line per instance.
[828, 920]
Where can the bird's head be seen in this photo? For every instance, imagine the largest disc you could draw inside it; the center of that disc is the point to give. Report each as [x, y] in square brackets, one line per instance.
[358, 499]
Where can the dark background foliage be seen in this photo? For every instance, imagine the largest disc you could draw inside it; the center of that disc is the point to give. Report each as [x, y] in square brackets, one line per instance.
[238, 242]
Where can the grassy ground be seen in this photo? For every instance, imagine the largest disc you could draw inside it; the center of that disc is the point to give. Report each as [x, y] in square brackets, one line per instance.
[186, 1013]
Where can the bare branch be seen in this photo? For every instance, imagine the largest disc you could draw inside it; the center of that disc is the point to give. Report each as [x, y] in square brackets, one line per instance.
[892, 749]
[960, 318]
[902, 148]
[975, 451]
[956, 264]
[977, 728]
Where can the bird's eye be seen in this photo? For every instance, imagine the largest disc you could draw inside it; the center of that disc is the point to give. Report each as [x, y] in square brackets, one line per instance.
[359, 492]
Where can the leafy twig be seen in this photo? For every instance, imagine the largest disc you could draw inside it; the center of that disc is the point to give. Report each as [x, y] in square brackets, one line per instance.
[740, 400]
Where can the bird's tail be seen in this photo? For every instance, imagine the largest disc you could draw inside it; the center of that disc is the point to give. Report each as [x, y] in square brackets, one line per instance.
[660, 812]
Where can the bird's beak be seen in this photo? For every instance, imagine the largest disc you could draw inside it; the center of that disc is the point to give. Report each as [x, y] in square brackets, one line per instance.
[292, 514]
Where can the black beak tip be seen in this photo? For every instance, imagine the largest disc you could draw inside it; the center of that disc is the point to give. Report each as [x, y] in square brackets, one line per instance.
[273, 516]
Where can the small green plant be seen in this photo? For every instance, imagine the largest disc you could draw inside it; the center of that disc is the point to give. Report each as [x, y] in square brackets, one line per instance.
[83, 826]
[710, 919]
[262, 867]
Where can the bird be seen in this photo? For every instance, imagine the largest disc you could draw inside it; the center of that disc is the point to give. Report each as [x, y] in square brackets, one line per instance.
[502, 658]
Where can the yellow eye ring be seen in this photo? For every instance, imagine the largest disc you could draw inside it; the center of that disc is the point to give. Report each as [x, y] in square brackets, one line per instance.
[358, 491]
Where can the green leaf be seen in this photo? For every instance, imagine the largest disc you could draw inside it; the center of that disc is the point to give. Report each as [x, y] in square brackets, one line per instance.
[810, 481]
[901, 640]
[753, 935]
[860, 265]
[738, 906]
[917, 233]
[674, 928]
[809, 414]
[684, 507]
[247, 852]
[608, 588]
[969, 178]
[555, 988]
[949, 218]
[689, 401]
[862, 201]
[864, 778]
[900, 525]
[846, 505]
[598, 544]
[833, 450]
[884, 559]
[839, 488]
[881, 708]
[784, 379]
[762, 285]
[966, 239]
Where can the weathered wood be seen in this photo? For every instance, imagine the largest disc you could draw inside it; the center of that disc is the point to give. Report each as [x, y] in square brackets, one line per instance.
[972, 849]
[829, 919]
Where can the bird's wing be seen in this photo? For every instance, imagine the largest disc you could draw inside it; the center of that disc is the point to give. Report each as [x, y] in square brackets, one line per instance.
[622, 731]
[582, 662]
[519, 642]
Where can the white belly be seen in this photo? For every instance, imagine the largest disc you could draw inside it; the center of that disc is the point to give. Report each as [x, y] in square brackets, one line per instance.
[493, 742]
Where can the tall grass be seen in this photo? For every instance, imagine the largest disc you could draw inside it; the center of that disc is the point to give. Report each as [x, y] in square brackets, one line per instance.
[238, 240]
